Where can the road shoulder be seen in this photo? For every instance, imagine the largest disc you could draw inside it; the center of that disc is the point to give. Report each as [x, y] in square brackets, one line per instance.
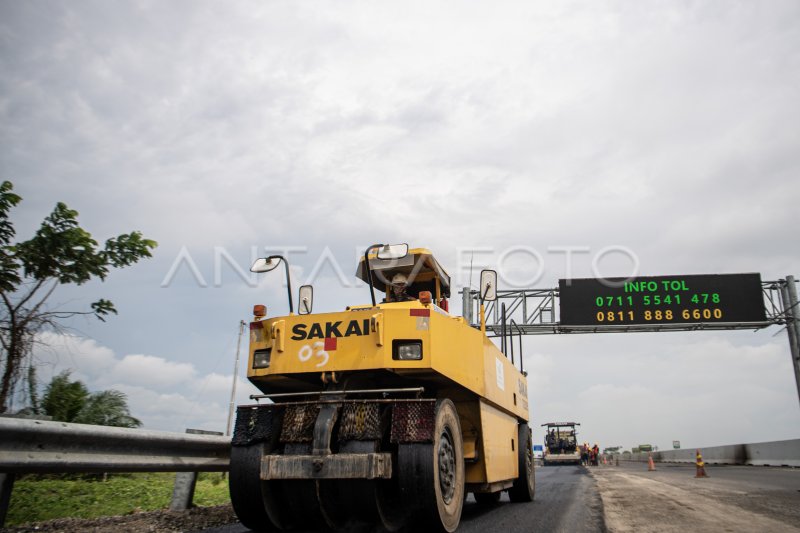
[650, 502]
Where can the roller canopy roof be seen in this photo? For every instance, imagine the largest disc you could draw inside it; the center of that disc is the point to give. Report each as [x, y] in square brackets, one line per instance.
[419, 266]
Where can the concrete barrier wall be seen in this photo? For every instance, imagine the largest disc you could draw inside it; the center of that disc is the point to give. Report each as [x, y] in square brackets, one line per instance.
[776, 453]
[783, 453]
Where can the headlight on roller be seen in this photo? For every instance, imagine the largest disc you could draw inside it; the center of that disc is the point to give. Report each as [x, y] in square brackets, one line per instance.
[261, 358]
[407, 350]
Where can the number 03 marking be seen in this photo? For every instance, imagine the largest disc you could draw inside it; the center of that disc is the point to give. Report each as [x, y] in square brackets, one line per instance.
[309, 350]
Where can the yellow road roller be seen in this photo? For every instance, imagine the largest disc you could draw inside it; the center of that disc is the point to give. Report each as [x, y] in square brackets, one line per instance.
[389, 412]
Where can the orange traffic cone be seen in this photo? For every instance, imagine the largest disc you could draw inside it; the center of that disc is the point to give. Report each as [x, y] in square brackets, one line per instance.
[701, 466]
[651, 466]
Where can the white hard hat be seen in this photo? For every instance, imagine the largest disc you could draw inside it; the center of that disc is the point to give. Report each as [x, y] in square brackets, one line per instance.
[399, 279]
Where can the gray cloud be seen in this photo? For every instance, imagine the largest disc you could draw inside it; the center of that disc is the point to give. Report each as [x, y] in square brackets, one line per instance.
[666, 128]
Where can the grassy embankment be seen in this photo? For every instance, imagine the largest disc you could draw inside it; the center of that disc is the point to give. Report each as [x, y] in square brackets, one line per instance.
[37, 498]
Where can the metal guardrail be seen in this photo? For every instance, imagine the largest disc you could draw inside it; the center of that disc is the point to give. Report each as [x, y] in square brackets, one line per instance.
[40, 446]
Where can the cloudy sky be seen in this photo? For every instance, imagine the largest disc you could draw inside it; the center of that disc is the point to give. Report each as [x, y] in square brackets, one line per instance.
[497, 131]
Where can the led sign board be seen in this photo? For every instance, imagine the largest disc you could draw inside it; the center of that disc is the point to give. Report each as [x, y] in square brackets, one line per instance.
[723, 298]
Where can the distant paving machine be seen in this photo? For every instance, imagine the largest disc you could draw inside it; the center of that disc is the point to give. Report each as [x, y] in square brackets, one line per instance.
[561, 444]
[389, 412]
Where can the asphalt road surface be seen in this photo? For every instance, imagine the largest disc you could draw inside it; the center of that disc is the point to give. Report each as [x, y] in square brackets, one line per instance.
[566, 501]
[629, 498]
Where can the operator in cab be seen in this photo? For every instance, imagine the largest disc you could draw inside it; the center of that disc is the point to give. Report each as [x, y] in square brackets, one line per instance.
[400, 288]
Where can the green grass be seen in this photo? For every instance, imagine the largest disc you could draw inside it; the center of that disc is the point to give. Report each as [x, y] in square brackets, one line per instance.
[37, 498]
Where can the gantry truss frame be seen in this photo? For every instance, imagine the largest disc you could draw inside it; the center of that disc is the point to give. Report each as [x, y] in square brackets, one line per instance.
[535, 312]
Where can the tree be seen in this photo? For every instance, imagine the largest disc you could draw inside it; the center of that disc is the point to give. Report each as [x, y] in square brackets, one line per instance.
[63, 399]
[70, 401]
[107, 408]
[61, 252]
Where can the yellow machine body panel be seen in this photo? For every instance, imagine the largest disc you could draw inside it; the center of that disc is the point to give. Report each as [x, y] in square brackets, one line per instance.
[499, 444]
[364, 339]
[337, 342]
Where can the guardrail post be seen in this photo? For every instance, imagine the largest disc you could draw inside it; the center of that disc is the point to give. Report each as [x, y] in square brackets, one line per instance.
[185, 482]
[6, 484]
[183, 491]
